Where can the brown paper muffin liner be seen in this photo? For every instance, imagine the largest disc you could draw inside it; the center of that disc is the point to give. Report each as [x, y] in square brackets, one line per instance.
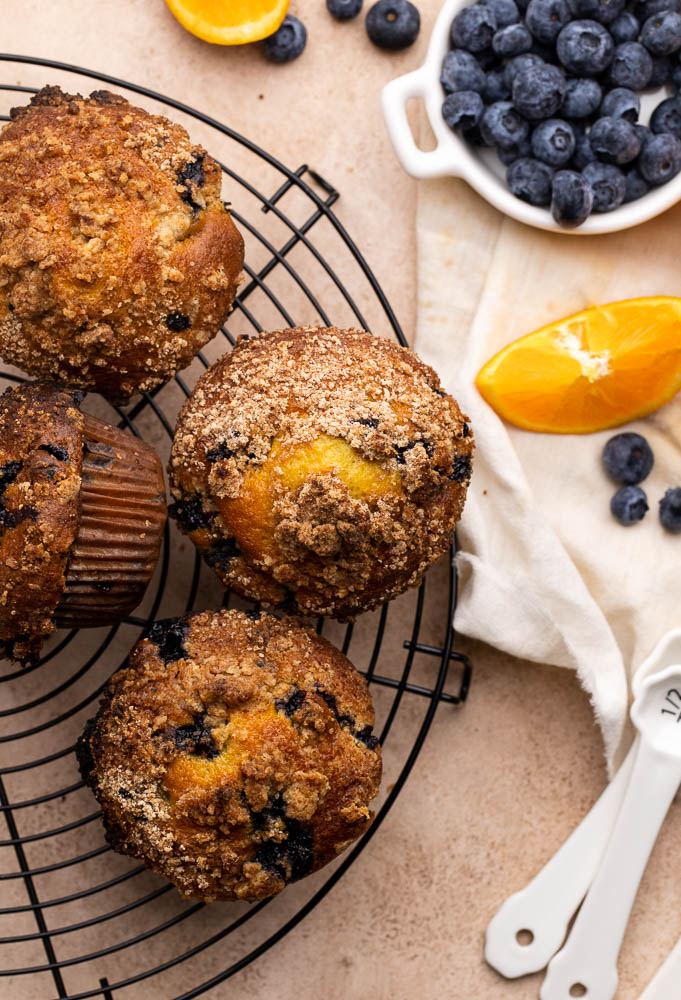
[122, 516]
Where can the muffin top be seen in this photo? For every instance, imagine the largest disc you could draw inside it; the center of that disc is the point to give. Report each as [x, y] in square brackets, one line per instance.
[322, 464]
[118, 260]
[40, 474]
[233, 754]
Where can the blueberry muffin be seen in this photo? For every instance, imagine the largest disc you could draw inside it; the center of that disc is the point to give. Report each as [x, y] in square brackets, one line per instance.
[320, 470]
[118, 260]
[233, 754]
[82, 513]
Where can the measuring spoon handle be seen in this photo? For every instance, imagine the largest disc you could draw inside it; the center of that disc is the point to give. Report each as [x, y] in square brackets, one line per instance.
[589, 957]
[546, 905]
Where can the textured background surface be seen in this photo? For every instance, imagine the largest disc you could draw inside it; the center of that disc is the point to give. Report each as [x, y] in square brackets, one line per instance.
[498, 785]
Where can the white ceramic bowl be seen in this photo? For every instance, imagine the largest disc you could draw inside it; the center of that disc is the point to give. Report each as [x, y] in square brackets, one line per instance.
[481, 168]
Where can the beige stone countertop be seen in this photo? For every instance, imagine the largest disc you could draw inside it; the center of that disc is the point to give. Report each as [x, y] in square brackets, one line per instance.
[499, 783]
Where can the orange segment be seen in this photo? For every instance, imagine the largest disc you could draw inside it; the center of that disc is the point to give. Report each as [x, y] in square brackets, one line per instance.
[597, 369]
[229, 22]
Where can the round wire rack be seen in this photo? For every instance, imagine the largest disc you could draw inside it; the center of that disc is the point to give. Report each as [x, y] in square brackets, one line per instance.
[77, 920]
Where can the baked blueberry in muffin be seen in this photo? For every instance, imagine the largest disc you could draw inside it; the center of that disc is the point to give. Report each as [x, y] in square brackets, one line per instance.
[233, 754]
[118, 259]
[82, 512]
[321, 470]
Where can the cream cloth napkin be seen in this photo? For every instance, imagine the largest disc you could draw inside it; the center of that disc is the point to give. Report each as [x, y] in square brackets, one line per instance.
[546, 573]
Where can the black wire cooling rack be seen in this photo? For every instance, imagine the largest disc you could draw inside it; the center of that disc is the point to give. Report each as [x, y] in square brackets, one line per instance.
[77, 920]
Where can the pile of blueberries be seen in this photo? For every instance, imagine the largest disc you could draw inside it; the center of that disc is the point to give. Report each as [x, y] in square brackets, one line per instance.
[628, 459]
[553, 86]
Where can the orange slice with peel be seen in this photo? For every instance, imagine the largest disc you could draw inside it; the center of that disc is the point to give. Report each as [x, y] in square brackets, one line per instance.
[229, 22]
[600, 368]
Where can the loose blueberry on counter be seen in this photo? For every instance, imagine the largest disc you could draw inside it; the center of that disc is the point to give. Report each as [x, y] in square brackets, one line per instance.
[660, 159]
[625, 28]
[621, 103]
[614, 140]
[287, 42]
[530, 180]
[571, 198]
[344, 10]
[636, 187]
[661, 33]
[462, 110]
[538, 91]
[582, 98]
[461, 71]
[505, 11]
[670, 510]
[512, 41]
[662, 69]
[585, 48]
[605, 11]
[545, 18]
[628, 458]
[553, 142]
[496, 88]
[473, 28]
[632, 66]
[629, 505]
[607, 184]
[394, 24]
[502, 126]
[667, 117]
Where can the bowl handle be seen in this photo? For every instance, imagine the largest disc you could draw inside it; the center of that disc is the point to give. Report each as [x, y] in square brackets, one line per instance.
[439, 162]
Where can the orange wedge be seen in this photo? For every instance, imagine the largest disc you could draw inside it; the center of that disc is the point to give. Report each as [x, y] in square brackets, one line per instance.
[597, 369]
[229, 22]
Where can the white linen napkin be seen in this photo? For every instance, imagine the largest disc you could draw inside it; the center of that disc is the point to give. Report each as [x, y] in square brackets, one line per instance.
[546, 572]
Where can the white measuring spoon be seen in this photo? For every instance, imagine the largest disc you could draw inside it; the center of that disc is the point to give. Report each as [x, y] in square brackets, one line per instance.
[589, 958]
[540, 913]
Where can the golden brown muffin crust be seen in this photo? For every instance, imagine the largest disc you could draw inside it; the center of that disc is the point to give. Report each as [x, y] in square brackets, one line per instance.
[40, 475]
[233, 754]
[118, 260]
[321, 466]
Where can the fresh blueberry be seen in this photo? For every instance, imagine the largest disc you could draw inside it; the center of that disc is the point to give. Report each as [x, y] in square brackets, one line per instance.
[473, 28]
[582, 98]
[287, 42]
[632, 66]
[608, 185]
[519, 63]
[505, 11]
[571, 198]
[621, 103]
[344, 10]
[625, 28]
[462, 110]
[393, 24]
[530, 180]
[553, 142]
[675, 79]
[604, 11]
[614, 140]
[660, 158]
[670, 510]
[583, 153]
[518, 151]
[512, 41]
[538, 92]
[646, 8]
[662, 69]
[629, 505]
[585, 48]
[667, 117]
[461, 71]
[488, 59]
[661, 33]
[643, 133]
[496, 88]
[502, 126]
[545, 18]
[636, 187]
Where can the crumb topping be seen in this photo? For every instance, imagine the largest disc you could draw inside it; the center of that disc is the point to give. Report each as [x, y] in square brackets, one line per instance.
[322, 465]
[118, 259]
[233, 754]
